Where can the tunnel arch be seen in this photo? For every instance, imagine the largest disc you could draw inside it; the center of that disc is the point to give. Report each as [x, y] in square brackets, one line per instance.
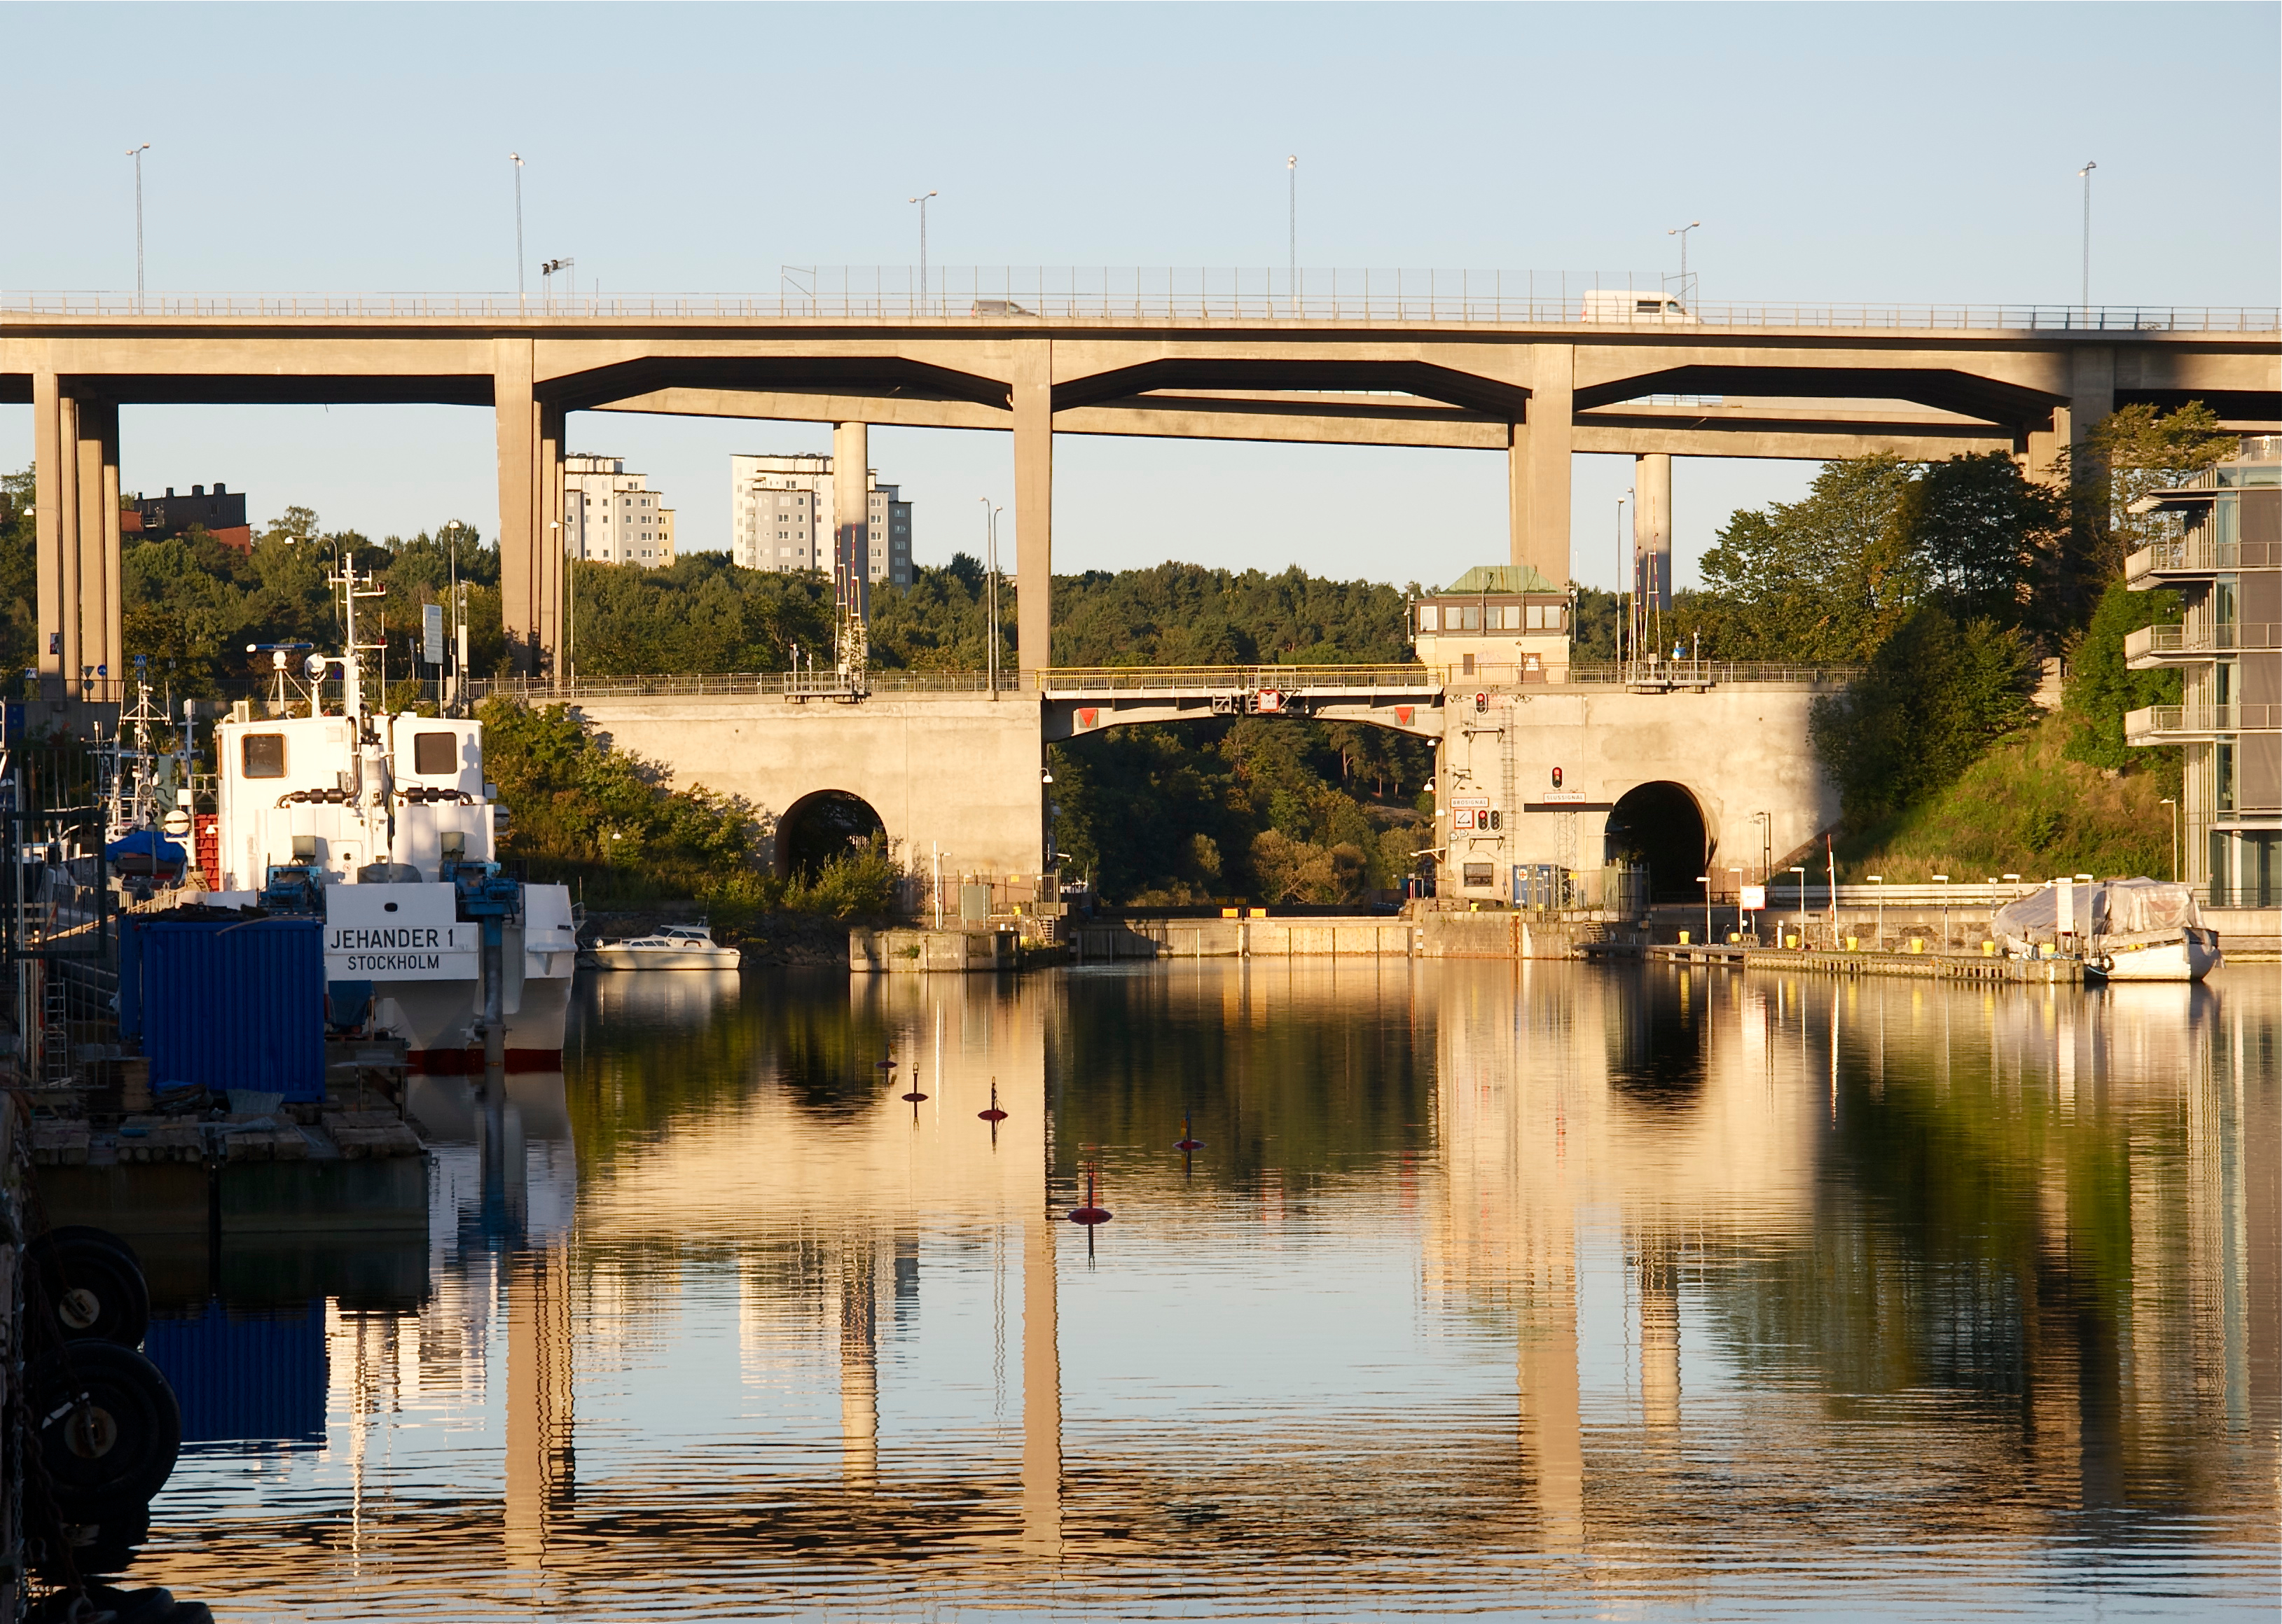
[1662, 823]
[822, 825]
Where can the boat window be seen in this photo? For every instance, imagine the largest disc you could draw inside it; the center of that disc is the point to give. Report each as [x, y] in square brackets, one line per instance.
[262, 755]
[435, 753]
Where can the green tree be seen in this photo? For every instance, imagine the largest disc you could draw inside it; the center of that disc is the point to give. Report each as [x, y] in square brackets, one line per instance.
[1935, 695]
[1825, 578]
[1981, 531]
[2134, 450]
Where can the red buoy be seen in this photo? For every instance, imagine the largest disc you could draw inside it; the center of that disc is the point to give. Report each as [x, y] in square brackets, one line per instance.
[1187, 1140]
[994, 1115]
[915, 1096]
[1089, 1214]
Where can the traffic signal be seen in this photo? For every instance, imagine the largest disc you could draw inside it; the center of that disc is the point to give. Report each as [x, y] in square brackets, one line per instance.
[1481, 704]
[1556, 777]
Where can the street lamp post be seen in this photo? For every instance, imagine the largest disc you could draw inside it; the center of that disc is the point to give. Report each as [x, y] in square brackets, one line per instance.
[1292, 291]
[1943, 879]
[922, 201]
[2085, 173]
[2174, 805]
[1686, 291]
[1623, 615]
[1878, 942]
[517, 159]
[136, 154]
[1800, 869]
[1704, 880]
[991, 590]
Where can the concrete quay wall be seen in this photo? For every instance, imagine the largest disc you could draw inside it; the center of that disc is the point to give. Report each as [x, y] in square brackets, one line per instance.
[1498, 935]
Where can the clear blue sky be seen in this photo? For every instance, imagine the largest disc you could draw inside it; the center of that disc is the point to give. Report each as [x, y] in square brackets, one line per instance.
[1834, 152]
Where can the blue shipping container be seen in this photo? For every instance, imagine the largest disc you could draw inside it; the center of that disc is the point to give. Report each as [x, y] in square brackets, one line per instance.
[226, 1003]
[245, 1378]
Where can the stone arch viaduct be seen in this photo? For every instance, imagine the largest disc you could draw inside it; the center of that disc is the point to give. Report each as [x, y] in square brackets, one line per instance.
[1461, 360]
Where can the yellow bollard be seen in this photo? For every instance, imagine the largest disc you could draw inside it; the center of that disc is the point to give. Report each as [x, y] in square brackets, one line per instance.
[1683, 939]
[1853, 944]
[1988, 949]
[1917, 944]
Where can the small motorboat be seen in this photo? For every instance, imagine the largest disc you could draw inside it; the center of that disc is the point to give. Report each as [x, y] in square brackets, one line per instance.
[677, 947]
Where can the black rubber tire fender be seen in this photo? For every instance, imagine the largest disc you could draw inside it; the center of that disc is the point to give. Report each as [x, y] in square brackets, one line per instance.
[94, 1286]
[106, 1427]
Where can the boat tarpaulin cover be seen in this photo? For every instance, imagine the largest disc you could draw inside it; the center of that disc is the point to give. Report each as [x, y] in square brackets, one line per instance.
[144, 851]
[2111, 908]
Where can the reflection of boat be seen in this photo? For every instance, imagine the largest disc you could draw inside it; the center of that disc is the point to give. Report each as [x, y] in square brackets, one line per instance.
[677, 947]
[2128, 930]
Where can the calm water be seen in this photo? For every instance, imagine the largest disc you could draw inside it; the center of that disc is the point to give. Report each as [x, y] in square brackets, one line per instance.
[1496, 1289]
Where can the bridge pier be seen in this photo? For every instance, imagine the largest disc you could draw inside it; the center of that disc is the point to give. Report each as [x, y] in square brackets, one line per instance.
[530, 438]
[75, 452]
[1034, 506]
[1537, 464]
[851, 501]
[1652, 530]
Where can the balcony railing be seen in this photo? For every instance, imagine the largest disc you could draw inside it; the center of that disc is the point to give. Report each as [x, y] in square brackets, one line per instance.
[2190, 642]
[2170, 723]
[2196, 555]
[997, 296]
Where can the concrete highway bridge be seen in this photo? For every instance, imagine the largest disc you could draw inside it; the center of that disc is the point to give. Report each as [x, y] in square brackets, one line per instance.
[1529, 368]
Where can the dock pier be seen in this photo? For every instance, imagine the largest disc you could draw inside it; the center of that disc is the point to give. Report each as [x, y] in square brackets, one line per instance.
[1832, 962]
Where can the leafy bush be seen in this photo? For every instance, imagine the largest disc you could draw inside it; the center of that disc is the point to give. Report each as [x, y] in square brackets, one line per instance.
[2101, 687]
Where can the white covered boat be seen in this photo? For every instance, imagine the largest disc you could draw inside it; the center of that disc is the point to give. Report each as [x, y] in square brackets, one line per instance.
[385, 825]
[677, 947]
[2125, 930]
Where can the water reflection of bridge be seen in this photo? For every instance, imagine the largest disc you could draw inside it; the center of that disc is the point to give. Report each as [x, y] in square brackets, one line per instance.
[1745, 1232]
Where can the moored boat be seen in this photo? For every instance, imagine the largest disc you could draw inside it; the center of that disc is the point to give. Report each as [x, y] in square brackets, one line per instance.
[676, 947]
[2124, 930]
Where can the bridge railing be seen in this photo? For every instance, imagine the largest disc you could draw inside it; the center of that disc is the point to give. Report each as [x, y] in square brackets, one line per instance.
[1712, 673]
[993, 296]
[1073, 681]
[1288, 678]
[791, 684]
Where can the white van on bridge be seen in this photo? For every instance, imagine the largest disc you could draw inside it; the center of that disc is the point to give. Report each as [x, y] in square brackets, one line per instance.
[1624, 304]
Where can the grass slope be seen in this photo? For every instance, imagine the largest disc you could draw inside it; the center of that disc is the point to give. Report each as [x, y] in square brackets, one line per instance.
[2025, 808]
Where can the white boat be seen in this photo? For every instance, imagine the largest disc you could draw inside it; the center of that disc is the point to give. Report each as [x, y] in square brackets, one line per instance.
[386, 827]
[677, 947]
[2125, 930]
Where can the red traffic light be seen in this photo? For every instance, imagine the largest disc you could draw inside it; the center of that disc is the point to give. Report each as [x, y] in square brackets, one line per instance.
[1556, 777]
[1481, 703]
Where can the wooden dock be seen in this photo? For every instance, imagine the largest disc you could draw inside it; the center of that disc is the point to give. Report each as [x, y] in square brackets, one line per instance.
[1825, 962]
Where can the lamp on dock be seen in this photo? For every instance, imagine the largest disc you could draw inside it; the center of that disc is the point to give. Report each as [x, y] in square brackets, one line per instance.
[1800, 869]
[1879, 880]
[1704, 880]
[1943, 879]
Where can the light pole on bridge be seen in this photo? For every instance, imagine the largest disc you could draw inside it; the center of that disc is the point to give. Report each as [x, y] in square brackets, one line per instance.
[2084, 174]
[517, 159]
[922, 201]
[136, 154]
[1291, 173]
[1686, 290]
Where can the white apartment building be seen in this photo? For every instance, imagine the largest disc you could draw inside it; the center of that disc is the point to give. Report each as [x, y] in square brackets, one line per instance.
[610, 516]
[783, 518]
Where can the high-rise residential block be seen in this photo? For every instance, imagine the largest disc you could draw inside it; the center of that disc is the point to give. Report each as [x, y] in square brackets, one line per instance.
[782, 517]
[610, 516]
